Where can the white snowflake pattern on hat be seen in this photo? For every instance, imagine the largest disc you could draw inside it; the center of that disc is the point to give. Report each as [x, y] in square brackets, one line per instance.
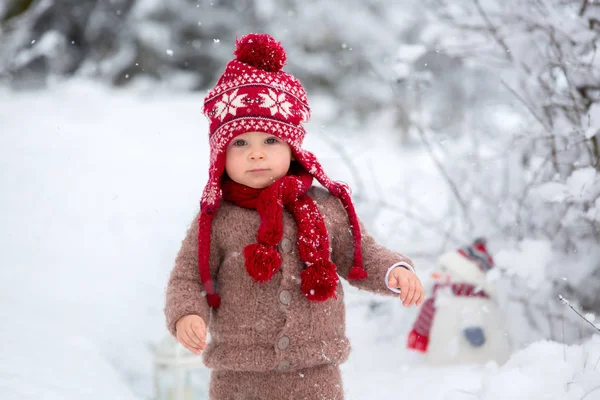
[276, 103]
[229, 104]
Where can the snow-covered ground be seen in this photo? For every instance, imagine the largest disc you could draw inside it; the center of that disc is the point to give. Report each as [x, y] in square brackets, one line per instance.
[97, 188]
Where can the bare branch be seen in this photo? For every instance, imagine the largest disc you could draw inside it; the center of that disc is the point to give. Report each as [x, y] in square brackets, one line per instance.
[429, 225]
[567, 303]
[593, 390]
[446, 176]
[360, 193]
[531, 111]
[347, 159]
[430, 150]
[584, 4]
[494, 31]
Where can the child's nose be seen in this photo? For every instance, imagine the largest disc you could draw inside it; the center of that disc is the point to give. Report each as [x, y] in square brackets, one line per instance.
[257, 155]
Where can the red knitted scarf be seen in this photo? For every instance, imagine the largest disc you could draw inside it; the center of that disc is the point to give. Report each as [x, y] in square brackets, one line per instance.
[319, 279]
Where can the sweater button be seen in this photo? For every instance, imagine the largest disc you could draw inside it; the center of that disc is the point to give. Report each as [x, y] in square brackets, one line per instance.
[285, 245]
[285, 297]
[283, 343]
[284, 365]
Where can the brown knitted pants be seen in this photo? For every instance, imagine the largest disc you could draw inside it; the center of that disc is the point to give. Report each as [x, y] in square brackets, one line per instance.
[318, 383]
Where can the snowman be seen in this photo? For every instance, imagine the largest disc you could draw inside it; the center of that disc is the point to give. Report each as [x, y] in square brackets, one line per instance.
[461, 322]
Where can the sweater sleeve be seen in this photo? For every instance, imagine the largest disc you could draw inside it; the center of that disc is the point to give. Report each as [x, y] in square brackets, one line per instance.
[377, 259]
[185, 294]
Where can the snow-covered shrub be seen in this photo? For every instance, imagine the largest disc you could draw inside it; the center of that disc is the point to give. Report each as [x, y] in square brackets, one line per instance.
[533, 177]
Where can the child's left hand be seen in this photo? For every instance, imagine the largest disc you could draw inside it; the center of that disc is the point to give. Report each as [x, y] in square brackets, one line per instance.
[411, 290]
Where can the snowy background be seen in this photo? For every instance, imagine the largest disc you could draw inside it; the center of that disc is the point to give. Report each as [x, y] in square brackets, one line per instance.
[442, 135]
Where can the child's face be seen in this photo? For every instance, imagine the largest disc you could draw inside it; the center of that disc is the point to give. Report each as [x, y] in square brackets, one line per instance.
[257, 159]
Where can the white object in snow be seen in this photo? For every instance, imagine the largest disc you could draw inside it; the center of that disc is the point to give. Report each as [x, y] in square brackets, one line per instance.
[467, 330]
[178, 373]
[42, 358]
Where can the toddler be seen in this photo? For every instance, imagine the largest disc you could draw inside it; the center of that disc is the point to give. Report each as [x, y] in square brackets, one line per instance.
[260, 263]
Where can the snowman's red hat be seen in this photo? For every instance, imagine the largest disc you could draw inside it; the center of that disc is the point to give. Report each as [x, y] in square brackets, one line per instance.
[469, 263]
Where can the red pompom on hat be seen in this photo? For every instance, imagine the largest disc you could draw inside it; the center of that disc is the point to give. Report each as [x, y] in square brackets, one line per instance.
[254, 94]
[260, 51]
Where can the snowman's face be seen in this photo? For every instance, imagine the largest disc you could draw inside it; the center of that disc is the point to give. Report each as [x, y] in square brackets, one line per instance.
[445, 275]
[442, 275]
[454, 267]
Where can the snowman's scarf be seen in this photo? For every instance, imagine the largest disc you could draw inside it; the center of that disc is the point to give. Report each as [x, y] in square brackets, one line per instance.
[422, 325]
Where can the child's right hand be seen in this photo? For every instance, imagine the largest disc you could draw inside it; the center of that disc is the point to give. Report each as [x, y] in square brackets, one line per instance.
[191, 333]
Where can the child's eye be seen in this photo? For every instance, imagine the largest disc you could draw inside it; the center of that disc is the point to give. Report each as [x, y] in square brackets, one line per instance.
[271, 141]
[239, 142]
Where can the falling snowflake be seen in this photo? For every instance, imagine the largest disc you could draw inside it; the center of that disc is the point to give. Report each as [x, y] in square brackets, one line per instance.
[276, 103]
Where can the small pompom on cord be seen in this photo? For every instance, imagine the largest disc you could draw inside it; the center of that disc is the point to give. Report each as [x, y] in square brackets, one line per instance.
[260, 51]
[261, 261]
[319, 281]
[213, 300]
[204, 230]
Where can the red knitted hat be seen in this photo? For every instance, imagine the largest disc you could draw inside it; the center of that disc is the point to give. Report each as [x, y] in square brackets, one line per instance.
[254, 94]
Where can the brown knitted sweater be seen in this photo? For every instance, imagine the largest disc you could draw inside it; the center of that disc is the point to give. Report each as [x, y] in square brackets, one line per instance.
[271, 326]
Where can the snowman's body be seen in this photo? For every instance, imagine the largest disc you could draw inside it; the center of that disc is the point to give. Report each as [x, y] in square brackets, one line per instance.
[466, 330]
[461, 322]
